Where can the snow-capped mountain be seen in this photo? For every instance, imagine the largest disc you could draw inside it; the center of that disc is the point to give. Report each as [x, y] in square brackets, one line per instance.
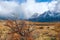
[47, 17]
[6, 17]
[12, 16]
[44, 17]
[35, 15]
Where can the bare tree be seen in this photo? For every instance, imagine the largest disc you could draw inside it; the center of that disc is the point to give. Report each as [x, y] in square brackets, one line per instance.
[19, 27]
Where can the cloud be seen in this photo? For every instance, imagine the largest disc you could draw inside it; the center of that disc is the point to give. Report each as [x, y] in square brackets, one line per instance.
[32, 7]
[57, 6]
[18, 1]
[26, 9]
[52, 5]
[7, 8]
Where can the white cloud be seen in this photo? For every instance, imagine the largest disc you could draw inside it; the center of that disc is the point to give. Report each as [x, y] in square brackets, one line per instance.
[52, 5]
[58, 6]
[7, 8]
[9, 0]
[32, 7]
[29, 8]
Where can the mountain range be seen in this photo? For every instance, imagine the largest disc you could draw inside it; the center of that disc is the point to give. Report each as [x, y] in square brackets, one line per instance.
[47, 17]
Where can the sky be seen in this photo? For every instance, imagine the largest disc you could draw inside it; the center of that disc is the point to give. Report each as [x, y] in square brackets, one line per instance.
[43, 0]
[26, 8]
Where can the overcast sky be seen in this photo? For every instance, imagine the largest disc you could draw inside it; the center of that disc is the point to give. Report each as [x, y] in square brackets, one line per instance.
[26, 8]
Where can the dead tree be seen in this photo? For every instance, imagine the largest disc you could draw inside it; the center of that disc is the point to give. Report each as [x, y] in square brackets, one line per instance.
[19, 27]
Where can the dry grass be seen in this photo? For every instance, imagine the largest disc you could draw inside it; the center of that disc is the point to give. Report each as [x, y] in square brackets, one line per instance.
[30, 30]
